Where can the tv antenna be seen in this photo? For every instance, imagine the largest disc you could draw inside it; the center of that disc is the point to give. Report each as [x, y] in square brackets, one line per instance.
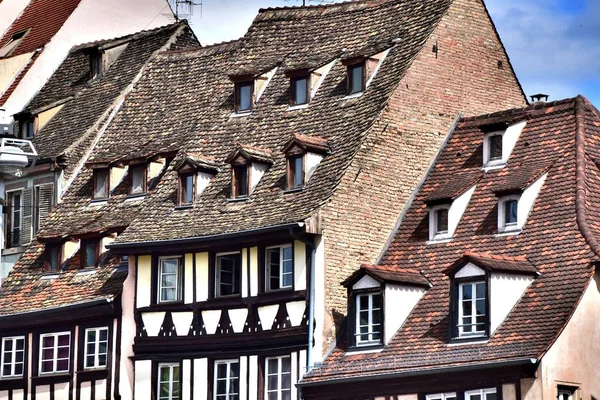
[184, 9]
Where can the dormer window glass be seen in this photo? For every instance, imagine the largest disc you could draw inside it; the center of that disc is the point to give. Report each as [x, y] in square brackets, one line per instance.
[356, 78]
[53, 257]
[186, 189]
[89, 253]
[240, 181]
[101, 185]
[472, 309]
[27, 128]
[369, 311]
[295, 171]
[244, 96]
[299, 91]
[508, 213]
[96, 64]
[441, 221]
[138, 179]
[439, 228]
[495, 147]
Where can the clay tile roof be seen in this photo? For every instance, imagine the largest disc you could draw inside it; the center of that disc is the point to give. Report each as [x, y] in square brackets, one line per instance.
[387, 274]
[310, 143]
[520, 177]
[559, 241]
[197, 161]
[251, 153]
[454, 187]
[496, 263]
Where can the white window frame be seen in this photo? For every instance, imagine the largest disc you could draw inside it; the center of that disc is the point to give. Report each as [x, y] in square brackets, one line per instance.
[282, 260]
[433, 222]
[371, 341]
[55, 335]
[160, 273]
[13, 363]
[227, 379]
[442, 396]
[567, 392]
[479, 392]
[171, 381]
[487, 162]
[218, 274]
[502, 226]
[279, 374]
[460, 325]
[96, 343]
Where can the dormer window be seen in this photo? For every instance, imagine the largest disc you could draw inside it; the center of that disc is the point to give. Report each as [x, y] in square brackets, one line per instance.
[89, 252]
[53, 257]
[96, 64]
[361, 71]
[356, 78]
[299, 91]
[101, 183]
[508, 220]
[446, 207]
[138, 180]
[244, 93]
[495, 147]
[499, 141]
[472, 309]
[195, 173]
[248, 165]
[295, 172]
[368, 324]
[12, 44]
[27, 128]
[303, 154]
[440, 224]
[239, 181]
[187, 183]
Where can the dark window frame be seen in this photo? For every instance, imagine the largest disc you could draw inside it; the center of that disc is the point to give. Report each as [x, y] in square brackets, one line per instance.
[83, 252]
[350, 77]
[217, 279]
[96, 176]
[132, 169]
[352, 310]
[237, 184]
[237, 96]
[48, 257]
[291, 171]
[293, 93]
[454, 305]
[182, 191]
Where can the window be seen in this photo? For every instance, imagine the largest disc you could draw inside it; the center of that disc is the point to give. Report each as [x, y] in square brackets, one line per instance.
[240, 181]
[43, 203]
[96, 347]
[53, 254]
[227, 380]
[280, 268]
[472, 309]
[187, 186]
[96, 64]
[15, 203]
[55, 349]
[493, 149]
[244, 96]
[169, 385]
[12, 43]
[13, 357]
[481, 394]
[89, 253]
[228, 274]
[495, 146]
[27, 128]
[566, 392]
[295, 178]
[299, 91]
[279, 378]
[441, 396]
[438, 222]
[169, 280]
[137, 179]
[101, 185]
[368, 328]
[508, 214]
[356, 78]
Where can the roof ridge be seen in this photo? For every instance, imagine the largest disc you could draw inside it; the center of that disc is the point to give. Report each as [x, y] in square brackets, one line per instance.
[513, 111]
[342, 4]
[199, 51]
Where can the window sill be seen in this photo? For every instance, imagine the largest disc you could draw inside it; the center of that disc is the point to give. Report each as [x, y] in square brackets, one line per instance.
[135, 197]
[469, 340]
[493, 166]
[353, 96]
[13, 250]
[364, 349]
[511, 232]
[439, 241]
[53, 377]
[87, 271]
[92, 373]
[238, 199]
[294, 190]
[240, 114]
[184, 207]
[50, 275]
[99, 202]
[298, 107]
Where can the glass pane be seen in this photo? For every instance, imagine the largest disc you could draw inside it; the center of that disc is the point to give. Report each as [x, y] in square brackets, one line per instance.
[480, 306]
[8, 357]
[234, 386]
[442, 220]
[272, 382]
[364, 318]
[222, 386]
[357, 76]
[288, 280]
[63, 352]
[188, 189]
[298, 172]
[169, 295]
[480, 290]
[165, 374]
[467, 292]
[300, 88]
[137, 180]
[89, 361]
[8, 345]
[169, 266]
[102, 360]
[241, 175]
[490, 396]
[62, 365]
[47, 366]
[287, 395]
[104, 334]
[19, 369]
[91, 348]
[164, 389]
[6, 370]
[91, 335]
[245, 97]
[48, 341]
[286, 381]
[90, 254]
[102, 348]
[272, 366]
[475, 397]
[19, 356]
[47, 354]
[510, 212]
[20, 344]
[288, 267]
[376, 301]
[273, 396]
[495, 147]
[363, 302]
[286, 364]
[101, 190]
[466, 308]
[235, 370]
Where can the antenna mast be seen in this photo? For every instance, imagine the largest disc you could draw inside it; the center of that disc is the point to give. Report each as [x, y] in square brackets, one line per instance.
[184, 9]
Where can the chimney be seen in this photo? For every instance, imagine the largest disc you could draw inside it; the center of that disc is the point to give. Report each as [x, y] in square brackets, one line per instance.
[537, 98]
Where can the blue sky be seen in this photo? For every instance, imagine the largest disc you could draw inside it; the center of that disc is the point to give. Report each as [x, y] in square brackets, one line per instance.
[553, 44]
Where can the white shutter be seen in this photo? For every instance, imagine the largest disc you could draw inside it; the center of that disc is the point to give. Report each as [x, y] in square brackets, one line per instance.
[27, 211]
[44, 203]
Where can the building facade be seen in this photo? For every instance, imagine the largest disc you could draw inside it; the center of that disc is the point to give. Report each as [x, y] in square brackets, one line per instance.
[464, 302]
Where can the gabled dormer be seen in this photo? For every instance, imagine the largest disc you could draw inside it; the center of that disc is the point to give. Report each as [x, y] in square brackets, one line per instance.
[484, 288]
[303, 156]
[361, 69]
[248, 165]
[249, 86]
[499, 140]
[379, 301]
[194, 173]
[102, 57]
[305, 80]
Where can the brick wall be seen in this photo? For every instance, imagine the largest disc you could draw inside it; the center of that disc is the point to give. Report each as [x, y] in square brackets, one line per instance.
[470, 74]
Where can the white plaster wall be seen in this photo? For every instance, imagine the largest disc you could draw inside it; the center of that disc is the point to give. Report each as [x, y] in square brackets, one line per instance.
[573, 358]
[245, 278]
[92, 20]
[202, 182]
[202, 276]
[469, 270]
[258, 170]
[299, 265]
[457, 209]
[506, 290]
[253, 378]
[9, 11]
[510, 138]
[243, 392]
[399, 300]
[366, 282]
[312, 162]
[144, 281]
[186, 378]
[200, 378]
[527, 199]
[143, 380]
[85, 392]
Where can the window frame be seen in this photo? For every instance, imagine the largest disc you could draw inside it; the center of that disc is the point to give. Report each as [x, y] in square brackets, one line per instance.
[84, 243]
[291, 171]
[55, 359]
[179, 287]
[217, 275]
[13, 363]
[293, 90]
[571, 391]
[237, 96]
[27, 128]
[10, 226]
[502, 225]
[481, 392]
[96, 64]
[267, 267]
[96, 344]
[354, 332]
[487, 148]
[279, 374]
[183, 190]
[96, 179]
[144, 171]
[442, 396]
[228, 378]
[350, 76]
[434, 234]
[236, 185]
[455, 302]
[48, 264]
[461, 393]
[171, 381]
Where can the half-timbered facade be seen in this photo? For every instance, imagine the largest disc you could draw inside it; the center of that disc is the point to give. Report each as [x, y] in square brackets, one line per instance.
[489, 288]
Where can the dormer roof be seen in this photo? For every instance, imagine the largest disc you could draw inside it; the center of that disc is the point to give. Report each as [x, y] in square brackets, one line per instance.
[385, 274]
[198, 162]
[520, 177]
[448, 191]
[252, 154]
[307, 143]
[494, 263]
[252, 70]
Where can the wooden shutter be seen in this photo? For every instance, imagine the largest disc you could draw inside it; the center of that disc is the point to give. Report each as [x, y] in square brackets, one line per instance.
[44, 203]
[27, 215]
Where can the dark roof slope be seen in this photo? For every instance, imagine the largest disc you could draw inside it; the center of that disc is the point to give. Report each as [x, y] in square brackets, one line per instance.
[554, 240]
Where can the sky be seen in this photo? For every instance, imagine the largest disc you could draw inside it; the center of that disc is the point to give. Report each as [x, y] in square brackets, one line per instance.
[552, 44]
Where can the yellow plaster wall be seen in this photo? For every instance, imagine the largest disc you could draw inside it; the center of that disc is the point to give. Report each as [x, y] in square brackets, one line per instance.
[10, 67]
[144, 281]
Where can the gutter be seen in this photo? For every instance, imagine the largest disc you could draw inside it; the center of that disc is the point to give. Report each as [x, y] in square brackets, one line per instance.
[522, 362]
[121, 248]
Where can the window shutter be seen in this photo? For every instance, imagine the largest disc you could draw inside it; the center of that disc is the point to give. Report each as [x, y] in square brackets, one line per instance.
[27, 216]
[45, 201]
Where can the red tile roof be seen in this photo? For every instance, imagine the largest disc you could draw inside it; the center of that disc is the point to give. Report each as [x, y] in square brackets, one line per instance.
[384, 273]
[559, 238]
[490, 262]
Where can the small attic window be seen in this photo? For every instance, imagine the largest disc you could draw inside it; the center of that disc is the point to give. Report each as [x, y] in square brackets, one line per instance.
[303, 154]
[362, 70]
[244, 96]
[299, 91]
[53, 257]
[96, 64]
[508, 213]
[101, 183]
[27, 128]
[499, 140]
[187, 189]
[495, 147]
[239, 181]
[137, 179]
[356, 78]
[295, 174]
[89, 253]
[12, 44]
[438, 222]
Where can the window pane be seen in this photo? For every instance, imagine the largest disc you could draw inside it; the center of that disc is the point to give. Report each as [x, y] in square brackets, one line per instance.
[228, 275]
[495, 147]
[298, 171]
[480, 306]
[480, 288]
[442, 220]
[510, 212]
[245, 97]
[356, 78]
[241, 176]
[137, 180]
[90, 254]
[100, 190]
[467, 292]
[300, 88]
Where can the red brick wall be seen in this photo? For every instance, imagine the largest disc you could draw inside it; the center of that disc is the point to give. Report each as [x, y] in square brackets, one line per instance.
[464, 77]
